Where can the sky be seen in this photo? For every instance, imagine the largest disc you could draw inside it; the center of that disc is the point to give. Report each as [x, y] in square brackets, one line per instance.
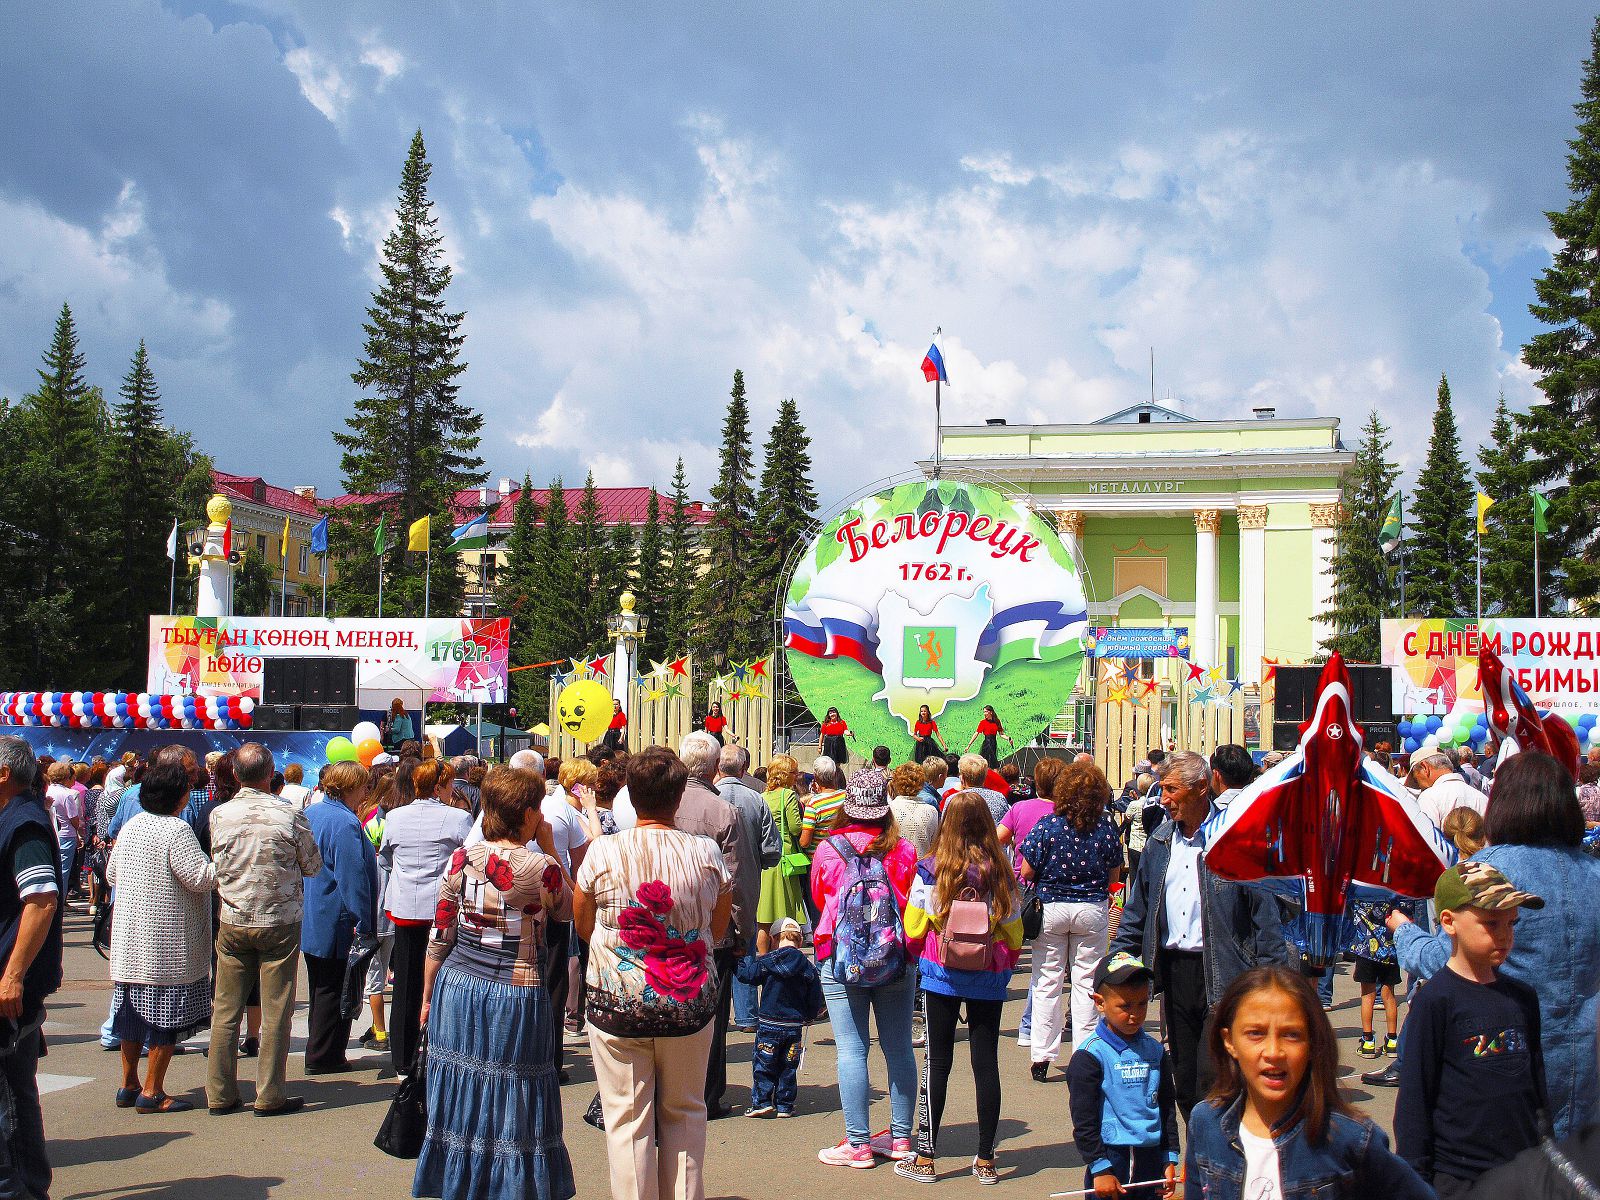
[1319, 210]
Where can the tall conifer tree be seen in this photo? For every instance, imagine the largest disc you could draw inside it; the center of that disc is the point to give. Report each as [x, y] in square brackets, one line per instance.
[411, 437]
[650, 578]
[591, 553]
[1563, 434]
[557, 630]
[786, 505]
[1440, 579]
[726, 616]
[1508, 527]
[678, 593]
[147, 466]
[1364, 579]
[516, 595]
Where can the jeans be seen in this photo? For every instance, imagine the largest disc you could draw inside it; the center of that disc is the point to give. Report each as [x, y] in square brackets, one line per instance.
[1073, 940]
[1325, 987]
[775, 1067]
[890, 1008]
[68, 855]
[24, 1164]
[744, 1002]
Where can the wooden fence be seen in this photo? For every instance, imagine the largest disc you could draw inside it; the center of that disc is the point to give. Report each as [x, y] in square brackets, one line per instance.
[1126, 730]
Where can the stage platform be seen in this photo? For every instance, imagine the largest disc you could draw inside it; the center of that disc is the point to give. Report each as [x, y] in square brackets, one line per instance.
[309, 749]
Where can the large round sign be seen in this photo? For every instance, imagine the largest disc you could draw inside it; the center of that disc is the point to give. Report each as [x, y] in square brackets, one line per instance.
[946, 594]
[583, 709]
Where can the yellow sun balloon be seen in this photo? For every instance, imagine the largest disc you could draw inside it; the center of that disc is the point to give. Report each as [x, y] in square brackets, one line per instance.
[583, 709]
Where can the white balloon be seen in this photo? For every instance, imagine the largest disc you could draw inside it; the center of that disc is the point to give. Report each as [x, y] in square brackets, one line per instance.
[247, 705]
[365, 731]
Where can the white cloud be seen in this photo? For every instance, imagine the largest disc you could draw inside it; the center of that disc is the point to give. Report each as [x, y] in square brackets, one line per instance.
[320, 81]
[385, 60]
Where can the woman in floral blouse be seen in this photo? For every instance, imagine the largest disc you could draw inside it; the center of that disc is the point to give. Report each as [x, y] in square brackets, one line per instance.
[494, 1103]
[651, 902]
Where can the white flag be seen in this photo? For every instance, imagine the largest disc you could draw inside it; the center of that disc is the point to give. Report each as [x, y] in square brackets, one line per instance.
[172, 541]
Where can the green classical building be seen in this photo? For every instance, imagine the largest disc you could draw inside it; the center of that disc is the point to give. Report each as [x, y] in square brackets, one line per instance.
[1225, 527]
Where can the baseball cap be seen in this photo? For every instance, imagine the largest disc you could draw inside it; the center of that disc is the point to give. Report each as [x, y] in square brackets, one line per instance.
[787, 925]
[1474, 884]
[866, 796]
[1119, 968]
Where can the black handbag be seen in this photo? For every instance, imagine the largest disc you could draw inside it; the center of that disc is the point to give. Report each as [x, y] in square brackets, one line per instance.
[1032, 914]
[406, 1123]
[353, 992]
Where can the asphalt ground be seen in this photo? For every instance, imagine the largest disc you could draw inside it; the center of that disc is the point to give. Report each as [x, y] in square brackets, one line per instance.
[100, 1152]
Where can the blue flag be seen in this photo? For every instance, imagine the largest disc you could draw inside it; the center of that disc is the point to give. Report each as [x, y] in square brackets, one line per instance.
[319, 537]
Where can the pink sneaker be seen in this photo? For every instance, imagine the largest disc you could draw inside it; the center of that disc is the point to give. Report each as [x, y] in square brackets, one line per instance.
[893, 1148]
[846, 1155]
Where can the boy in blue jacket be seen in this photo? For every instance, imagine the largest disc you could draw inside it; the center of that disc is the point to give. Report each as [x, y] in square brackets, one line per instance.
[1124, 1107]
[791, 998]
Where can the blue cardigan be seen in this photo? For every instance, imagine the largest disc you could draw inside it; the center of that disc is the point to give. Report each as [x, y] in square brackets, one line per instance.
[341, 899]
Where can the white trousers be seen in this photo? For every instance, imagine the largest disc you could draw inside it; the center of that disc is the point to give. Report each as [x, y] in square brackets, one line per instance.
[1073, 939]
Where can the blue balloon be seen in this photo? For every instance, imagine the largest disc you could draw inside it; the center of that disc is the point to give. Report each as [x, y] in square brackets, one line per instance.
[1403, 727]
[1479, 735]
[1586, 720]
[1483, 721]
[1412, 745]
[1435, 724]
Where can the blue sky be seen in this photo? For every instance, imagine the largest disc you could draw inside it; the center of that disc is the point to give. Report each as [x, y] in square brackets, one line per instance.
[1317, 211]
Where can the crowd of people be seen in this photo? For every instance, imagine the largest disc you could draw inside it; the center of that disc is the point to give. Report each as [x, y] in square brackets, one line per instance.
[654, 902]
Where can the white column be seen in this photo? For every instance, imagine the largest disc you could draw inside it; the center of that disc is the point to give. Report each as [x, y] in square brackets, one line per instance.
[1252, 590]
[1206, 523]
[1069, 524]
[1324, 537]
[625, 660]
[211, 596]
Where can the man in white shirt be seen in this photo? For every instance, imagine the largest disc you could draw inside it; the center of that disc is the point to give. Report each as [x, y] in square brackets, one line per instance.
[1443, 790]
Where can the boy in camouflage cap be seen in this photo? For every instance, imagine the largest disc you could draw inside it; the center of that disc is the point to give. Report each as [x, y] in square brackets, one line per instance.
[1472, 1088]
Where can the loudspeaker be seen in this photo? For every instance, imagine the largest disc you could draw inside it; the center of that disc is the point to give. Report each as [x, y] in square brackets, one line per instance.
[1295, 693]
[339, 718]
[1374, 695]
[308, 681]
[1285, 735]
[339, 681]
[275, 716]
[283, 680]
[1371, 696]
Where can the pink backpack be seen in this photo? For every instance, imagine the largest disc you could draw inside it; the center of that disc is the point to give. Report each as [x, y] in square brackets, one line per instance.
[967, 939]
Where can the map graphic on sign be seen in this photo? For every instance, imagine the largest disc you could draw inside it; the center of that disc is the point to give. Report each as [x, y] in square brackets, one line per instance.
[940, 593]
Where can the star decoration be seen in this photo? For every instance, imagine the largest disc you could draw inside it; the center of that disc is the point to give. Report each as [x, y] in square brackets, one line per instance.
[759, 668]
[1196, 672]
[679, 666]
[1201, 695]
[1216, 674]
[641, 681]
[657, 667]
[597, 665]
[1130, 675]
[1152, 687]
[740, 672]
[674, 690]
[653, 694]
[561, 678]
[1117, 695]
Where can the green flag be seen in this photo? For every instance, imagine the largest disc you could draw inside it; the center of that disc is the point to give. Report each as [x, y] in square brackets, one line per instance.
[380, 542]
[1540, 507]
[1389, 535]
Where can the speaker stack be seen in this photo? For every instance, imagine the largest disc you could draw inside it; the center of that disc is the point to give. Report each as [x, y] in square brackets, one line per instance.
[1295, 700]
[308, 694]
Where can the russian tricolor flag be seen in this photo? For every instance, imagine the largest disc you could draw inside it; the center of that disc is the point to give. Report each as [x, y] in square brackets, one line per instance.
[933, 365]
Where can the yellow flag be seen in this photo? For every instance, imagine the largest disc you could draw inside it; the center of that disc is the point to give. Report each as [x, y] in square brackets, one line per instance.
[417, 539]
[284, 544]
[1485, 503]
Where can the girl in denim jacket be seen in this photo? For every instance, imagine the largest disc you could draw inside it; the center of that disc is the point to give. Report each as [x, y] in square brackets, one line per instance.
[1274, 1126]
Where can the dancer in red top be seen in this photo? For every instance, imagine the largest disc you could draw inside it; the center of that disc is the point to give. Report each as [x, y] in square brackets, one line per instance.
[831, 743]
[617, 729]
[716, 723]
[991, 730]
[929, 743]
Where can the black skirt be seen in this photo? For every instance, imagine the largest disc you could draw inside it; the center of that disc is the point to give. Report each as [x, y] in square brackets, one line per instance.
[927, 748]
[833, 747]
[991, 751]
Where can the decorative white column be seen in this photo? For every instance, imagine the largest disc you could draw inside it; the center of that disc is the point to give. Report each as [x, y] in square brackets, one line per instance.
[1069, 524]
[1207, 521]
[211, 597]
[1252, 591]
[1324, 538]
[627, 627]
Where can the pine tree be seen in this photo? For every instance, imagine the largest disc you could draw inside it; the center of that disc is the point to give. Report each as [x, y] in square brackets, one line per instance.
[516, 594]
[650, 579]
[1365, 590]
[59, 623]
[1508, 526]
[786, 505]
[1563, 434]
[726, 615]
[677, 600]
[1439, 555]
[411, 438]
[557, 626]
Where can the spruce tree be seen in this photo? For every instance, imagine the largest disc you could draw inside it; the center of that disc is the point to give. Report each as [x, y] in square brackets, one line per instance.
[786, 505]
[557, 628]
[60, 622]
[147, 466]
[621, 553]
[725, 612]
[254, 586]
[411, 438]
[1440, 577]
[516, 594]
[677, 599]
[1563, 434]
[1365, 590]
[650, 578]
[590, 556]
[1508, 526]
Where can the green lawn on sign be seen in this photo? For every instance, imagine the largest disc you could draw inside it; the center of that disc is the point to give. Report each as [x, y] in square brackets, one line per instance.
[1026, 695]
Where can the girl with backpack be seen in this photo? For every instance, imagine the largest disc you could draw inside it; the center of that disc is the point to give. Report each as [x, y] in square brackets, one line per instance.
[964, 919]
[860, 879]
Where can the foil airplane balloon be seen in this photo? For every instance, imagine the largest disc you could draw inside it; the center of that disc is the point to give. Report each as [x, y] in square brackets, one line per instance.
[1327, 826]
[1514, 720]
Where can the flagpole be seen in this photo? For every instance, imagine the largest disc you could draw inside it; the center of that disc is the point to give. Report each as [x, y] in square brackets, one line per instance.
[283, 584]
[324, 583]
[380, 585]
[1535, 572]
[427, 577]
[938, 415]
[172, 580]
[1478, 558]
